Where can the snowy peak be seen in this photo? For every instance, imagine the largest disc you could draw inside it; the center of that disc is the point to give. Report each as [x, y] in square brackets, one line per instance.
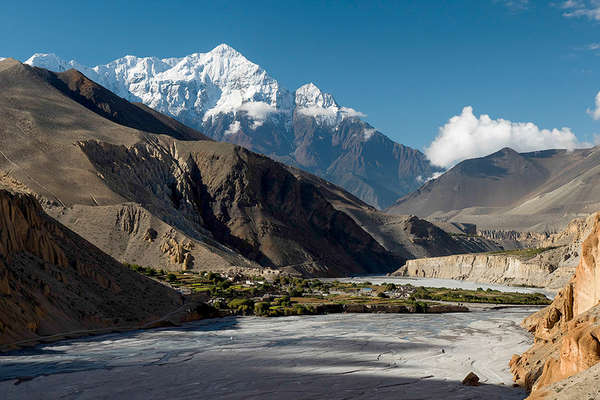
[200, 87]
[49, 61]
[225, 50]
[310, 95]
[312, 102]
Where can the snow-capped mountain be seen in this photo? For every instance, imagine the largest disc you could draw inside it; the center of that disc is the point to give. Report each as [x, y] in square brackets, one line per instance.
[229, 98]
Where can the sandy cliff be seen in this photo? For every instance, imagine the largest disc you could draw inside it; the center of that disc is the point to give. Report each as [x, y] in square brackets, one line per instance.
[53, 281]
[550, 269]
[485, 268]
[567, 333]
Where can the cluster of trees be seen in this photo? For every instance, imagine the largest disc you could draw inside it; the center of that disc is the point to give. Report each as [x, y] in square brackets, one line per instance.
[280, 306]
[149, 271]
[478, 296]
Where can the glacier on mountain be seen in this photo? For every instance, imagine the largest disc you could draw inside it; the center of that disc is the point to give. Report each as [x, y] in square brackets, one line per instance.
[201, 86]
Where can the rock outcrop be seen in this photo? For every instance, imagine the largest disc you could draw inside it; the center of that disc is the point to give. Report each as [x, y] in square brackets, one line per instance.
[132, 234]
[567, 332]
[514, 239]
[551, 268]
[484, 268]
[54, 282]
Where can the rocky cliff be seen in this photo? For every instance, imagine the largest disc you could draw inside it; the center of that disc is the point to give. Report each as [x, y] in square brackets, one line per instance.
[52, 281]
[245, 201]
[550, 266]
[484, 268]
[567, 333]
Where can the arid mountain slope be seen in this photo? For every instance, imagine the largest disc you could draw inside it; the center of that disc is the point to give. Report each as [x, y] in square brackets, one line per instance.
[53, 281]
[245, 208]
[248, 202]
[39, 130]
[154, 196]
[567, 332]
[231, 99]
[404, 235]
[538, 191]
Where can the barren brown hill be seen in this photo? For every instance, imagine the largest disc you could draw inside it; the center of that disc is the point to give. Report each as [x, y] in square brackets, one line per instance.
[225, 206]
[96, 98]
[110, 171]
[538, 191]
[53, 281]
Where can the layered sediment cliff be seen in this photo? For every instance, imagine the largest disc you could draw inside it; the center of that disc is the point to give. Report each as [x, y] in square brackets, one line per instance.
[551, 266]
[567, 332]
[52, 281]
[485, 268]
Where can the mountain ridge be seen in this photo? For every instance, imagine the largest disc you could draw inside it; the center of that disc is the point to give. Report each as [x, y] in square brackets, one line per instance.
[533, 191]
[178, 204]
[229, 98]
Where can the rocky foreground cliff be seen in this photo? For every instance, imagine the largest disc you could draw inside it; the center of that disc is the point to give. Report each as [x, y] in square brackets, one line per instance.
[52, 281]
[562, 362]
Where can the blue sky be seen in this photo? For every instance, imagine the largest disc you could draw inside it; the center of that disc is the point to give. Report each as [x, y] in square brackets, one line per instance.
[409, 65]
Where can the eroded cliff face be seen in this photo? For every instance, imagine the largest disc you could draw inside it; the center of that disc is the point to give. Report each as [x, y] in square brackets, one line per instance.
[52, 281]
[485, 268]
[567, 332]
[551, 268]
[247, 202]
[130, 233]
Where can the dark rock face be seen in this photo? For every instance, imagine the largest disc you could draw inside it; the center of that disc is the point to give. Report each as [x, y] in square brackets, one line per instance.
[96, 98]
[370, 166]
[246, 201]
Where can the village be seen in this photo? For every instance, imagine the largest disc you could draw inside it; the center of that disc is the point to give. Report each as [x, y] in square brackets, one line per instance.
[284, 295]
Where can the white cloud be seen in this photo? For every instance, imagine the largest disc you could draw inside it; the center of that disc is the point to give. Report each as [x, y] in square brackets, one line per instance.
[595, 113]
[234, 127]
[368, 133]
[515, 5]
[466, 136]
[571, 4]
[333, 112]
[435, 175]
[258, 111]
[590, 47]
[351, 112]
[581, 9]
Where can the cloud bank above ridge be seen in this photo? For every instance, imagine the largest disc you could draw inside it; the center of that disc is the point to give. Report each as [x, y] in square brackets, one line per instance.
[468, 136]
